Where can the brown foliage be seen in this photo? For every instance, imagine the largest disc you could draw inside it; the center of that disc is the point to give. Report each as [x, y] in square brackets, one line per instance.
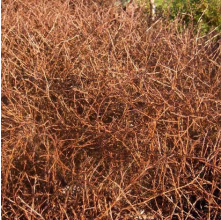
[106, 117]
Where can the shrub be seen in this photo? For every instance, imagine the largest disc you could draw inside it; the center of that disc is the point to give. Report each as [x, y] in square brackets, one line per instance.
[204, 14]
[106, 117]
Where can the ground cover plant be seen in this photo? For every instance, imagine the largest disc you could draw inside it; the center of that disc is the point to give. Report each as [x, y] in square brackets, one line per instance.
[107, 115]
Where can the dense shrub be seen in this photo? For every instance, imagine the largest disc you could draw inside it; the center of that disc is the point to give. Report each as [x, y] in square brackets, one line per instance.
[202, 14]
[105, 117]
